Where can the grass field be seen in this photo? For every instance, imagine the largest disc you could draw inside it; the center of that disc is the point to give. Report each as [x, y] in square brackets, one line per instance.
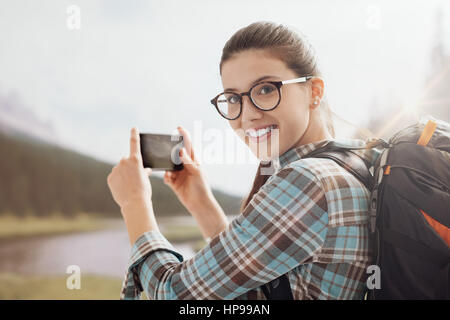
[181, 233]
[12, 227]
[93, 287]
[17, 227]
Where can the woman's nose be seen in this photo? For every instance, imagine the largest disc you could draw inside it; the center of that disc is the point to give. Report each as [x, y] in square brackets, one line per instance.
[249, 111]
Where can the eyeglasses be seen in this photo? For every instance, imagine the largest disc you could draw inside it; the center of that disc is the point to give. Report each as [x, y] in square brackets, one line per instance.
[264, 95]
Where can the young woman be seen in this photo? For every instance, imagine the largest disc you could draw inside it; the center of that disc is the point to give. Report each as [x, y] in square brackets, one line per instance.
[307, 220]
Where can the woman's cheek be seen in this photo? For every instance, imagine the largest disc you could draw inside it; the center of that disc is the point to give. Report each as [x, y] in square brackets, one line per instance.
[239, 132]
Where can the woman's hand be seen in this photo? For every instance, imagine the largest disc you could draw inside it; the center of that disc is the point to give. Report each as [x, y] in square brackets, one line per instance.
[194, 193]
[131, 190]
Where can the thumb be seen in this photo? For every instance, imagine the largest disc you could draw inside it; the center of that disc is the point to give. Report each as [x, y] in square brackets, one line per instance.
[148, 171]
[187, 160]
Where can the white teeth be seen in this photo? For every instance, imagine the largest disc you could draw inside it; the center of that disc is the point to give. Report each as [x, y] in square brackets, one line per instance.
[258, 133]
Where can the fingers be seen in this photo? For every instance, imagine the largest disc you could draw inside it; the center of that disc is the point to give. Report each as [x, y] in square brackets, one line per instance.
[135, 145]
[167, 177]
[170, 178]
[187, 142]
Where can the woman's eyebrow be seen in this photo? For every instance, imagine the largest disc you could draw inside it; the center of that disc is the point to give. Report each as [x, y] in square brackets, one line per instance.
[257, 80]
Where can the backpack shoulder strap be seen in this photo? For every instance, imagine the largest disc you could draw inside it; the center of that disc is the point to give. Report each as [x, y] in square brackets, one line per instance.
[349, 161]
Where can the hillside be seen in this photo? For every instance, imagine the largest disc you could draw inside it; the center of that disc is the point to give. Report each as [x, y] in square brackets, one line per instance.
[40, 178]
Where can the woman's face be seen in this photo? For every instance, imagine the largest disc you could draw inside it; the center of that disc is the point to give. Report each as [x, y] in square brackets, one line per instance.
[287, 123]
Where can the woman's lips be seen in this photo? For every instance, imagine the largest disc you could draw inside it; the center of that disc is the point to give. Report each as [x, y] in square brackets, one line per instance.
[264, 137]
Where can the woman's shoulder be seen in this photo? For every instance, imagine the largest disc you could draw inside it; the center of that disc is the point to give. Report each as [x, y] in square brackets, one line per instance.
[347, 197]
[326, 172]
[324, 169]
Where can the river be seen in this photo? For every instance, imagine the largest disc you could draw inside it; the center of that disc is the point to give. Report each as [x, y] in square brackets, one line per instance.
[104, 252]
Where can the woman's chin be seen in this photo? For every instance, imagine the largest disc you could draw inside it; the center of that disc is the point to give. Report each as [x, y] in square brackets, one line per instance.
[264, 157]
[266, 154]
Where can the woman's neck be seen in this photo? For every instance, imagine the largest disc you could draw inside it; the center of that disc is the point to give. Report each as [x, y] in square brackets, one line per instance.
[316, 131]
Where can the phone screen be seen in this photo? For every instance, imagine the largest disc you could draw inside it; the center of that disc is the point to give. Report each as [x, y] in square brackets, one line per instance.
[161, 151]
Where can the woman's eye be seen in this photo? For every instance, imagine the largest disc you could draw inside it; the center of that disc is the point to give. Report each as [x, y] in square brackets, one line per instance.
[233, 99]
[266, 90]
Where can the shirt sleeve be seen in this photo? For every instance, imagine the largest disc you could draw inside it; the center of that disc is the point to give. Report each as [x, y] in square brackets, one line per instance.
[283, 226]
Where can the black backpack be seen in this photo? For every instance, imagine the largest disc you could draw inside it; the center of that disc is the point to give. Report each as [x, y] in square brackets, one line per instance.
[409, 213]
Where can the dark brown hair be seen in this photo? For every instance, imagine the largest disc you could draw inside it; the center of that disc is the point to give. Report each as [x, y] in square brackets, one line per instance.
[291, 48]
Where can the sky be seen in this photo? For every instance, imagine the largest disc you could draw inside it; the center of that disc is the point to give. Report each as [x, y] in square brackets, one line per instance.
[154, 65]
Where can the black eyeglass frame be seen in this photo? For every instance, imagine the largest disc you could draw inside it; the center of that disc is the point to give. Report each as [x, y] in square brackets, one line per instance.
[277, 84]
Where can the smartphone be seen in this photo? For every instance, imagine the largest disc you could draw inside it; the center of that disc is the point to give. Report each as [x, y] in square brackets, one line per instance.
[161, 151]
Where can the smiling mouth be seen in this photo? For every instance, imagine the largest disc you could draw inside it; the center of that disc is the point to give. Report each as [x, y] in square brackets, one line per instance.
[260, 134]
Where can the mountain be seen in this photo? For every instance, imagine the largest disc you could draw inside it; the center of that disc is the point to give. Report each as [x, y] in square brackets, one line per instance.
[16, 117]
[40, 178]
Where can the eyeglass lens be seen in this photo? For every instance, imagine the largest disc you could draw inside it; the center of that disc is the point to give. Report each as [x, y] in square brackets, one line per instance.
[264, 95]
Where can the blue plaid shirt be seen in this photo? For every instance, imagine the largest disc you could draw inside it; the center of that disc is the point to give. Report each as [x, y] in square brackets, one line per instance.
[309, 221]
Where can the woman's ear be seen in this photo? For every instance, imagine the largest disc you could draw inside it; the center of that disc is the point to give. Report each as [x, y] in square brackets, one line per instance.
[317, 90]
